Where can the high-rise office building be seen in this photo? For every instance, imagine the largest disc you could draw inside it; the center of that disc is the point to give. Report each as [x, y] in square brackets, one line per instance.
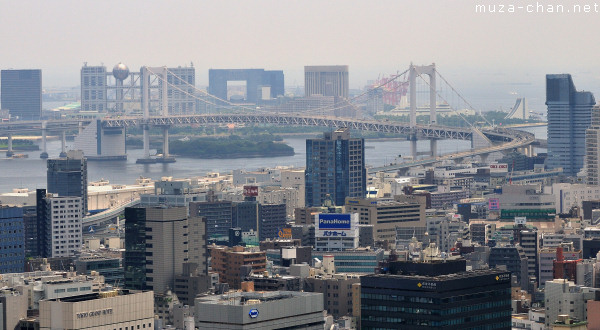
[22, 93]
[335, 166]
[218, 214]
[514, 259]
[436, 296]
[38, 231]
[12, 239]
[271, 220]
[120, 90]
[569, 115]
[592, 148]
[158, 241]
[326, 80]
[245, 214]
[67, 176]
[30, 228]
[93, 88]
[60, 224]
[181, 90]
[260, 84]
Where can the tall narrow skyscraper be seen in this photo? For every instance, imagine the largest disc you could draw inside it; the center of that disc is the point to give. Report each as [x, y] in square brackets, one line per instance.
[335, 166]
[68, 177]
[22, 93]
[569, 115]
[592, 149]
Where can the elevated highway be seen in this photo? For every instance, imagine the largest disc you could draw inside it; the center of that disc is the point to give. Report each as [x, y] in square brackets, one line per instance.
[520, 140]
[497, 139]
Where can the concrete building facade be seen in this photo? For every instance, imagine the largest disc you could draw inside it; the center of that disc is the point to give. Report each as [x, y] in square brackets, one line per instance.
[158, 241]
[326, 80]
[385, 215]
[563, 297]
[227, 262]
[260, 84]
[102, 311]
[260, 310]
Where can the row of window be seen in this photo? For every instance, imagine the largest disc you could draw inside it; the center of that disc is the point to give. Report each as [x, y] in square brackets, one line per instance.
[8, 247]
[427, 311]
[83, 288]
[444, 323]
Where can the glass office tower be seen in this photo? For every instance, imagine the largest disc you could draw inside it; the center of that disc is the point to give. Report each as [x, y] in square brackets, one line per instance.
[22, 93]
[335, 166]
[569, 115]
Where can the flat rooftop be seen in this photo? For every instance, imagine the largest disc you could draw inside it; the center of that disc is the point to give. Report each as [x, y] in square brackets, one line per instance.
[96, 295]
[441, 278]
[251, 298]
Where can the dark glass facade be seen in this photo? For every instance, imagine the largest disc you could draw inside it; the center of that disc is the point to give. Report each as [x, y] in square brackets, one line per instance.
[21, 93]
[272, 219]
[474, 300]
[245, 215]
[569, 115]
[43, 228]
[68, 177]
[335, 166]
[31, 230]
[218, 216]
[12, 240]
[134, 257]
[110, 268]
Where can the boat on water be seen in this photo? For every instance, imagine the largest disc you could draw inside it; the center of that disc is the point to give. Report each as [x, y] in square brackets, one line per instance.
[16, 156]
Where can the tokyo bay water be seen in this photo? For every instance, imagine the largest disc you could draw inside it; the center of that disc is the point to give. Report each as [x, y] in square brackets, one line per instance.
[31, 172]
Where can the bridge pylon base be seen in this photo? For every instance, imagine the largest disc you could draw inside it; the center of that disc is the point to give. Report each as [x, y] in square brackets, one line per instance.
[146, 161]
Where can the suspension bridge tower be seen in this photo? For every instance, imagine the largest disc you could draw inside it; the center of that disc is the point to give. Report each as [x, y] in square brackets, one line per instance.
[414, 72]
[147, 86]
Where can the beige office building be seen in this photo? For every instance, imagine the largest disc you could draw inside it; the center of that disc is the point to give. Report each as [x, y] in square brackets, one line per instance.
[386, 215]
[103, 311]
[326, 80]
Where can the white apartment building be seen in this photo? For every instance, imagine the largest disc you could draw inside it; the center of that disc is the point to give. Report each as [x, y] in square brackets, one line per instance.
[66, 223]
[568, 195]
[564, 297]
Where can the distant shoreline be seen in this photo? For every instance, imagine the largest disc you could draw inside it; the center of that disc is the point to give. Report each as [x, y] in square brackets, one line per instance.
[238, 155]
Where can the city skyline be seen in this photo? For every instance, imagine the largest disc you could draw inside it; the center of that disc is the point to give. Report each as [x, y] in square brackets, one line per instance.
[505, 50]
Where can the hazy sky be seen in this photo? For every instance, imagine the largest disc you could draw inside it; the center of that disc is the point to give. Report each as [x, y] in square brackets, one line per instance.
[473, 50]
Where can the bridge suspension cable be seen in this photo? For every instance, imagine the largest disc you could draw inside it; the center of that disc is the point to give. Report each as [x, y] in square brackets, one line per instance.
[364, 93]
[444, 99]
[462, 98]
[328, 108]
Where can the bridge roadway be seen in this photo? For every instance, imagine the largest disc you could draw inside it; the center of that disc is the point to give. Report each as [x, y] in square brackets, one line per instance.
[521, 139]
[505, 139]
[11, 127]
[419, 131]
[102, 220]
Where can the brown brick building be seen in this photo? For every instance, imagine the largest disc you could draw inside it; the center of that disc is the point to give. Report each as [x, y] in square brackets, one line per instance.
[228, 261]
